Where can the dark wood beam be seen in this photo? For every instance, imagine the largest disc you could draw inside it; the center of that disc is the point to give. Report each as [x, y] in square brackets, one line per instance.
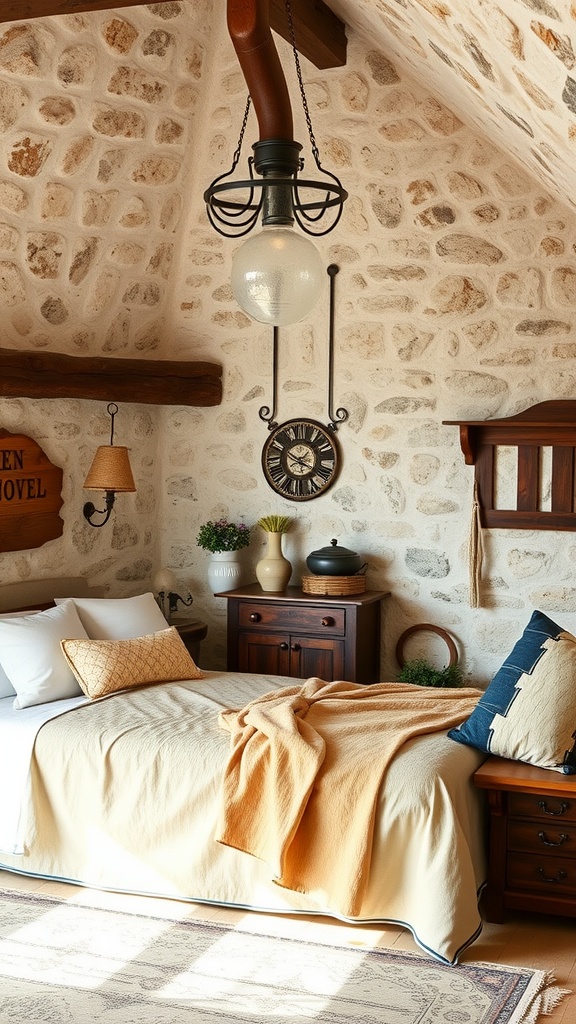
[320, 35]
[146, 381]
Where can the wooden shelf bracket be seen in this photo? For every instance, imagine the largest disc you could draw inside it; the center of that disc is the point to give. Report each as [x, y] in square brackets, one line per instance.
[545, 425]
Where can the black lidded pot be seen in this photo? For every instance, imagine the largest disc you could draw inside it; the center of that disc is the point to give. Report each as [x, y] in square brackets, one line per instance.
[334, 560]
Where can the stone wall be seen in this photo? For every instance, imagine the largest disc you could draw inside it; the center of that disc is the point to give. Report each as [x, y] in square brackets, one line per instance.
[455, 300]
[97, 114]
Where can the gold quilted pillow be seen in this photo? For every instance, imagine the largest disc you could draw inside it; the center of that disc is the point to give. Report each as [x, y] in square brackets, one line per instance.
[105, 666]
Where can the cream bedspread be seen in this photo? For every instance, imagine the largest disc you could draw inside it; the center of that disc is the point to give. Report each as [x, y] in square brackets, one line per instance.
[18, 731]
[125, 795]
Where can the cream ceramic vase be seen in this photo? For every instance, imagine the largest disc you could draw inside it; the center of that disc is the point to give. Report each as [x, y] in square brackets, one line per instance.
[224, 571]
[274, 570]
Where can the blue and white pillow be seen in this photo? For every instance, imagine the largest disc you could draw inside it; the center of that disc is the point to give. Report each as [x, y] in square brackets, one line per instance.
[528, 712]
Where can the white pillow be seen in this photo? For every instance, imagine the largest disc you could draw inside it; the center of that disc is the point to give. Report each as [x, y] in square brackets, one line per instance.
[118, 618]
[6, 688]
[32, 658]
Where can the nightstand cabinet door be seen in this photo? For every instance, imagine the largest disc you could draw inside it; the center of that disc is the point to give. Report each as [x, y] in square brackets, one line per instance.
[324, 658]
[294, 634]
[262, 653]
[285, 655]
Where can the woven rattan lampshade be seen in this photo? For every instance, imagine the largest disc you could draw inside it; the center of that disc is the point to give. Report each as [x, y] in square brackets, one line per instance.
[110, 470]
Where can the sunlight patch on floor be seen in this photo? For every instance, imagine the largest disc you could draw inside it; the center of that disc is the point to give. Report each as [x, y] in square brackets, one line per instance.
[84, 961]
[229, 982]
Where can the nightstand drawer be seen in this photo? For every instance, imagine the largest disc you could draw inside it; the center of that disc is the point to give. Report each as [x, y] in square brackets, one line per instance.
[544, 807]
[551, 875]
[314, 619]
[536, 837]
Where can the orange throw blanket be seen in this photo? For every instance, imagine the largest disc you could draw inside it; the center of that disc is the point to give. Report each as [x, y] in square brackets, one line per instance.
[301, 785]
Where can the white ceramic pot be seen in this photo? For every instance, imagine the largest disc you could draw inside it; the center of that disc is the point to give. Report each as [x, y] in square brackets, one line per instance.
[224, 571]
[274, 570]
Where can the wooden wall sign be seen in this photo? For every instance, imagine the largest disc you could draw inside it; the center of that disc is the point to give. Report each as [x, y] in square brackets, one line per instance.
[30, 494]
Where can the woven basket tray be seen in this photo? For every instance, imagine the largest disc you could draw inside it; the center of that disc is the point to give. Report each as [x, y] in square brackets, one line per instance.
[336, 586]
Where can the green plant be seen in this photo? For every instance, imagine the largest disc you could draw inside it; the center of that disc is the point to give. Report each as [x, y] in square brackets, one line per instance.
[421, 673]
[223, 536]
[275, 524]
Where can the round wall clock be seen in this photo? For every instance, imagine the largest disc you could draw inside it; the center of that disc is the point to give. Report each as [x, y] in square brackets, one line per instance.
[300, 459]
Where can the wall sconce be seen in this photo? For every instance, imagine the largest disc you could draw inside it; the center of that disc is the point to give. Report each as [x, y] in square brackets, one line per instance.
[277, 275]
[165, 584]
[110, 472]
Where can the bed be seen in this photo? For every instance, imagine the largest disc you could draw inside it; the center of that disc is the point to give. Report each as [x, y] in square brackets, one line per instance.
[122, 791]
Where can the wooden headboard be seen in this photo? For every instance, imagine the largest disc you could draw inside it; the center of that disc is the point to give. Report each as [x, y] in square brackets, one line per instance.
[546, 425]
[41, 593]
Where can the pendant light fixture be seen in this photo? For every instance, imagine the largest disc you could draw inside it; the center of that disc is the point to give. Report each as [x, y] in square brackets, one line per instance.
[277, 275]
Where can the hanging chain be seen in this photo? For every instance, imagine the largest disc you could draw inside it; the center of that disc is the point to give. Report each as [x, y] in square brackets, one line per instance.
[315, 150]
[238, 149]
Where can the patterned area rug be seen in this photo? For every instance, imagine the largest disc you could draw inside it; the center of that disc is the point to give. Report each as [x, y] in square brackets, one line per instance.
[66, 963]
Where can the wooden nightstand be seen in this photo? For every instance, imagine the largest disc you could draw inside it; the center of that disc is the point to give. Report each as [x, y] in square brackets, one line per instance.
[532, 854]
[192, 632]
[301, 635]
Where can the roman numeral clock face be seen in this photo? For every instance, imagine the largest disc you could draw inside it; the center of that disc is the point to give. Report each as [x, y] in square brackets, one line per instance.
[300, 459]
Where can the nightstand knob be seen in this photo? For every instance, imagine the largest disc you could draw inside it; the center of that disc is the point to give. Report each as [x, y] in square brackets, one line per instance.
[295, 647]
[327, 621]
[255, 617]
[284, 646]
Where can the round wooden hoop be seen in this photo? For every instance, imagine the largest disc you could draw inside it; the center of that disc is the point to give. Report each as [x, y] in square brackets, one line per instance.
[428, 628]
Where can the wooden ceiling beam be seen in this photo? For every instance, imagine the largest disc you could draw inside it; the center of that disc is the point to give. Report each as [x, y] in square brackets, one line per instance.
[320, 35]
[147, 381]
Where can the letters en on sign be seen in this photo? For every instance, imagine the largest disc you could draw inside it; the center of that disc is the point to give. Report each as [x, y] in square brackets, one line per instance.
[30, 494]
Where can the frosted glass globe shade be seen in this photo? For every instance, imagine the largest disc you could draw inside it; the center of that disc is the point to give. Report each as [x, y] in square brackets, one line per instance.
[277, 276]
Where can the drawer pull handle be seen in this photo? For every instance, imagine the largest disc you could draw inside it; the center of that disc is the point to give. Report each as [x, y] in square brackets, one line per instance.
[284, 646]
[327, 621]
[255, 617]
[548, 810]
[295, 647]
[547, 878]
[562, 838]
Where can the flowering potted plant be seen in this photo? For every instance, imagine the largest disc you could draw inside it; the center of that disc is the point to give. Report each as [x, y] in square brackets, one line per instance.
[223, 540]
[223, 536]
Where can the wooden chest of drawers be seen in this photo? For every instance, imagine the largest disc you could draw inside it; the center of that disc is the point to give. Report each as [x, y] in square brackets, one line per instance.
[301, 635]
[532, 843]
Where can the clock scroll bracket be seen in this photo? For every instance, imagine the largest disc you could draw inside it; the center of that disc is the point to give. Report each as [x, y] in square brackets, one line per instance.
[335, 417]
[340, 415]
[265, 412]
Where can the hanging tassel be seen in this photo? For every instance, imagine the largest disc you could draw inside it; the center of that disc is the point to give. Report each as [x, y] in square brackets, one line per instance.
[475, 552]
